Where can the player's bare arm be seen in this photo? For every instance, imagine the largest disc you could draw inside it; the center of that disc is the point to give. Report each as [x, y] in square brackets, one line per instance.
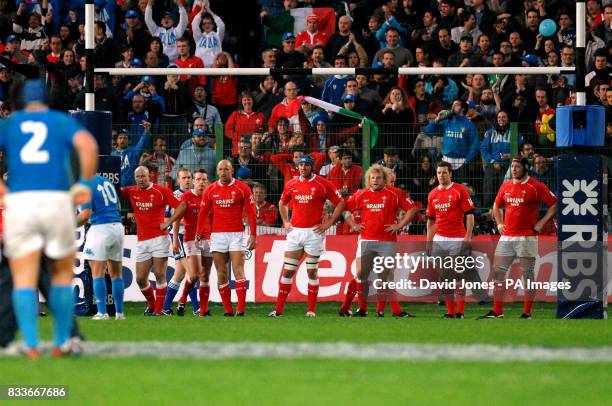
[178, 213]
[348, 218]
[469, 226]
[498, 215]
[550, 213]
[406, 218]
[83, 217]
[284, 213]
[321, 228]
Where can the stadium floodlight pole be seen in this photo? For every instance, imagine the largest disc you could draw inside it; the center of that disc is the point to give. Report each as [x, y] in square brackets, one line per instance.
[580, 52]
[510, 70]
[90, 104]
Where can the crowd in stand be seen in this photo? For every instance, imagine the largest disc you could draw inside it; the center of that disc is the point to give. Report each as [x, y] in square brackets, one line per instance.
[169, 122]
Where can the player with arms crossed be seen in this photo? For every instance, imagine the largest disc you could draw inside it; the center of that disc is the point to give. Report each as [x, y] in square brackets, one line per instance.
[227, 199]
[39, 209]
[521, 196]
[307, 195]
[378, 204]
[447, 205]
[177, 236]
[104, 244]
[149, 201]
[199, 257]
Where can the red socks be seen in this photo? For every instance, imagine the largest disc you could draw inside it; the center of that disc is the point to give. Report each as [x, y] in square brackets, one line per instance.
[498, 297]
[160, 297]
[241, 288]
[313, 293]
[150, 296]
[460, 300]
[395, 307]
[449, 301]
[186, 289]
[226, 297]
[351, 291]
[204, 291]
[527, 304]
[361, 298]
[284, 288]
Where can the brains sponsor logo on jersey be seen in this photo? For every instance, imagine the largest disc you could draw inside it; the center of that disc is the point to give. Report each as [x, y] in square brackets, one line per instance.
[375, 207]
[224, 202]
[143, 206]
[442, 206]
[304, 199]
[515, 201]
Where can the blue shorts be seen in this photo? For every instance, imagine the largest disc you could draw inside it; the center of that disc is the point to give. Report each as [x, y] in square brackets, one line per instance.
[181, 253]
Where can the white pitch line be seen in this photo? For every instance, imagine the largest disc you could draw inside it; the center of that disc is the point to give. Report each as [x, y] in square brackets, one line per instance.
[343, 350]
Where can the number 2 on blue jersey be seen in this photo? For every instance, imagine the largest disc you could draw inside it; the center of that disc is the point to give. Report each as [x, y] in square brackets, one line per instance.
[31, 153]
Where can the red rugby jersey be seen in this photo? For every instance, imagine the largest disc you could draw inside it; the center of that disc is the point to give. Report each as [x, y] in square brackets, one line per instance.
[190, 217]
[448, 206]
[308, 198]
[379, 209]
[522, 203]
[227, 203]
[149, 207]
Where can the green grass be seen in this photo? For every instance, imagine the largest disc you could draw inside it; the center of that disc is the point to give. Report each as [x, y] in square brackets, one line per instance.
[141, 381]
[427, 327]
[306, 381]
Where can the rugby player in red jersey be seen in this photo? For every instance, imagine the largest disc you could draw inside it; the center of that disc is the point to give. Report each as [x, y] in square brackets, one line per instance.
[447, 206]
[149, 201]
[198, 255]
[521, 197]
[378, 204]
[307, 195]
[227, 199]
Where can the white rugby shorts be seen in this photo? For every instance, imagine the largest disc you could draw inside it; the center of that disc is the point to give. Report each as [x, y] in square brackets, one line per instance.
[227, 241]
[378, 248]
[305, 239]
[39, 220]
[181, 254]
[517, 247]
[158, 247]
[192, 248]
[104, 242]
[443, 246]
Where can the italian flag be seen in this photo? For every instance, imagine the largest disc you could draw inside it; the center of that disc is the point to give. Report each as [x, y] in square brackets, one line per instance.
[326, 15]
[349, 113]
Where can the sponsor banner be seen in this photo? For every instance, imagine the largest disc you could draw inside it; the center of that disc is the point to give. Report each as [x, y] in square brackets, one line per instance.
[337, 268]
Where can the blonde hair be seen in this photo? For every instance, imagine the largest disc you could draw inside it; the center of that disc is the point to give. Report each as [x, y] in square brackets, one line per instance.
[376, 168]
[390, 176]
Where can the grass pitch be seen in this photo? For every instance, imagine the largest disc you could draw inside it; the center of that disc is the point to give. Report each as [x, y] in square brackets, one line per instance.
[149, 380]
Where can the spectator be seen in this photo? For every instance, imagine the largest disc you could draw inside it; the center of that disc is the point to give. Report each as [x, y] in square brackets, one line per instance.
[186, 60]
[448, 16]
[543, 172]
[201, 108]
[356, 54]
[465, 56]
[105, 53]
[604, 30]
[567, 61]
[307, 40]
[134, 34]
[105, 100]
[28, 26]
[176, 98]
[545, 123]
[424, 36]
[208, 32]
[496, 153]
[338, 39]
[484, 50]
[468, 26]
[346, 176]
[566, 34]
[334, 157]
[403, 56]
[288, 57]
[130, 156]
[490, 104]
[369, 95]
[243, 121]
[397, 120]
[442, 88]
[362, 106]
[423, 181]
[12, 50]
[279, 24]
[196, 155]
[461, 140]
[334, 87]
[160, 164]
[167, 33]
[154, 104]
[602, 71]
[277, 141]
[286, 163]
[485, 18]
[127, 55]
[247, 167]
[444, 47]
[420, 102]
[268, 58]
[287, 108]
[266, 96]
[66, 69]
[157, 49]
[390, 22]
[267, 213]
